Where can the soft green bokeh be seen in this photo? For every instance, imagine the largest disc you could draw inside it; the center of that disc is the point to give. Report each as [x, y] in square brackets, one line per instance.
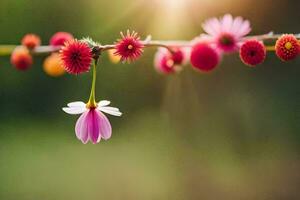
[232, 134]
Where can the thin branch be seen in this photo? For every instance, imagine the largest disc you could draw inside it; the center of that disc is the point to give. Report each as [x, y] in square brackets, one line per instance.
[6, 50]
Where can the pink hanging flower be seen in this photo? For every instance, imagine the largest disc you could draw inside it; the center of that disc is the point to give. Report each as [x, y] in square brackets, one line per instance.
[76, 57]
[166, 62]
[129, 47]
[92, 125]
[227, 32]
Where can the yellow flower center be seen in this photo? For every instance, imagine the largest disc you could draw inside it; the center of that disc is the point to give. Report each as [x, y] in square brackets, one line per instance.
[288, 45]
[170, 63]
[130, 47]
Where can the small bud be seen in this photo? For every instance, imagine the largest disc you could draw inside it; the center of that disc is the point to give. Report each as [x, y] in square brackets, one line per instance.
[59, 38]
[112, 57]
[21, 58]
[204, 57]
[31, 41]
[53, 65]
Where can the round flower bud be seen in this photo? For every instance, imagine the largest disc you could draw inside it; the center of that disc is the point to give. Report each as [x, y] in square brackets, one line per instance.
[253, 52]
[52, 65]
[204, 57]
[112, 57]
[31, 41]
[21, 58]
[287, 47]
[59, 38]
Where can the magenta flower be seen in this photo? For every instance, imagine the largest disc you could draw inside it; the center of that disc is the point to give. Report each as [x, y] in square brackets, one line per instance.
[166, 62]
[227, 32]
[92, 125]
[129, 47]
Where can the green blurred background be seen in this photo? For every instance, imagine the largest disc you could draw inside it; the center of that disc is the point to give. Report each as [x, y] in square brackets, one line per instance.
[232, 134]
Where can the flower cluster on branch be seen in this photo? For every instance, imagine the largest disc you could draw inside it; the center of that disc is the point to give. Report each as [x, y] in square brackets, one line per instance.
[223, 36]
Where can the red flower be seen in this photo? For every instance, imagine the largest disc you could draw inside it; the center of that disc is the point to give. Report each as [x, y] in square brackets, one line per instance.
[253, 52]
[31, 41]
[287, 47]
[204, 57]
[129, 47]
[76, 57]
[59, 38]
[21, 58]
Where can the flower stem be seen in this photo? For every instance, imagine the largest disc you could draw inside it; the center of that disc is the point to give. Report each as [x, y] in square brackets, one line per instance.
[92, 101]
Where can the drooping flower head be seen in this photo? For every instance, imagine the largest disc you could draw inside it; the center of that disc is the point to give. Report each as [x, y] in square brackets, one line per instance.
[21, 58]
[92, 125]
[129, 47]
[31, 41]
[287, 47]
[76, 57]
[253, 52]
[59, 38]
[204, 57]
[53, 65]
[227, 32]
[167, 62]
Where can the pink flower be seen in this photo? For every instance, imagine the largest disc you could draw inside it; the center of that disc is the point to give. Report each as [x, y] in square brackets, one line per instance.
[59, 38]
[227, 32]
[76, 57]
[166, 62]
[92, 125]
[129, 47]
[204, 57]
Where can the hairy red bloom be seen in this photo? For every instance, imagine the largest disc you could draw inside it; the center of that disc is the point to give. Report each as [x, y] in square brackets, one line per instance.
[204, 57]
[76, 57]
[287, 47]
[253, 52]
[31, 41]
[129, 47]
[21, 58]
[59, 38]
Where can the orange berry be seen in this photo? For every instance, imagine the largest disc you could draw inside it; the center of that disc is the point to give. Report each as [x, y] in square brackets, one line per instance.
[21, 58]
[52, 65]
[31, 41]
[112, 57]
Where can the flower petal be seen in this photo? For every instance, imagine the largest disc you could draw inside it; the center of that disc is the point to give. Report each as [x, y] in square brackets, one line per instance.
[81, 128]
[110, 110]
[74, 110]
[103, 103]
[105, 127]
[227, 23]
[93, 124]
[76, 104]
[244, 29]
[236, 24]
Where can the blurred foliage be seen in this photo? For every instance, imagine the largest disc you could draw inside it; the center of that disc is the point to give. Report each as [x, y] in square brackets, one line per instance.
[232, 134]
